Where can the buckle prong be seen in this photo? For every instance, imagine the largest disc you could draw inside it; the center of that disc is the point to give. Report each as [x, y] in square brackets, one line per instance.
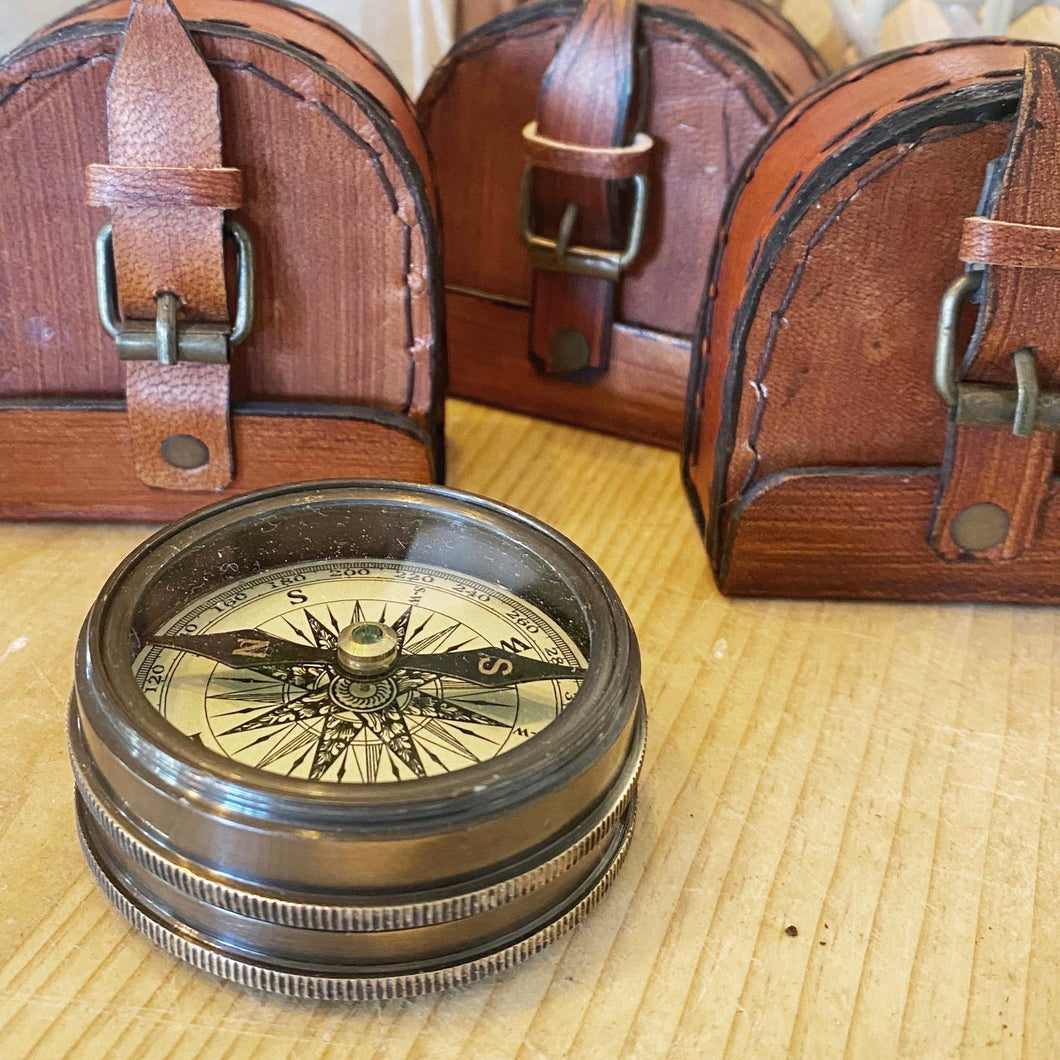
[166, 334]
[1023, 409]
[1028, 393]
[558, 255]
[566, 229]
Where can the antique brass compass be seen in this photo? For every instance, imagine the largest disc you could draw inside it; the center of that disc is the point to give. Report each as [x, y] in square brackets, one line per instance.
[356, 740]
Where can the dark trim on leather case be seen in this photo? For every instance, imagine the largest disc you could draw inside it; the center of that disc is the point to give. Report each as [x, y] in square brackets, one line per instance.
[308, 14]
[508, 24]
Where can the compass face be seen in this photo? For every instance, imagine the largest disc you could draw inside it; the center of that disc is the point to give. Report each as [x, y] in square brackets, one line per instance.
[479, 671]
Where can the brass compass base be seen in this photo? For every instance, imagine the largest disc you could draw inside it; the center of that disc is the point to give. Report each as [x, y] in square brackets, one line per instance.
[352, 983]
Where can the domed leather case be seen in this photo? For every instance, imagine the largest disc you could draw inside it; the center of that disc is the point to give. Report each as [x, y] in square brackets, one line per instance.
[220, 264]
[872, 409]
[583, 153]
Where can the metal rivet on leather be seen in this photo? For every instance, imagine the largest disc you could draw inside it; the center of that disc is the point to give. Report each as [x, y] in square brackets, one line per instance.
[185, 451]
[979, 527]
[568, 350]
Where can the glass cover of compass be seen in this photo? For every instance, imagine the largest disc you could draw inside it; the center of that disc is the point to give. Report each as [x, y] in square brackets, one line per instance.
[362, 637]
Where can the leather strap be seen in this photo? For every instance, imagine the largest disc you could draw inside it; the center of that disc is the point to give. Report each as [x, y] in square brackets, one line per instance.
[1004, 243]
[167, 190]
[603, 163]
[586, 100]
[1020, 299]
[163, 186]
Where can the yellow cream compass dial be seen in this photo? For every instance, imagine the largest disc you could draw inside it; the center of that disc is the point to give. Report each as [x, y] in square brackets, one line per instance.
[360, 673]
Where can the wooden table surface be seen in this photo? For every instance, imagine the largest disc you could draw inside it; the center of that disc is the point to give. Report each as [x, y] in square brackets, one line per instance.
[885, 779]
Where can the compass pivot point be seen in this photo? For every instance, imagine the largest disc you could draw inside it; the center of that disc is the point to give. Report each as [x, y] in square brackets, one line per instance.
[367, 649]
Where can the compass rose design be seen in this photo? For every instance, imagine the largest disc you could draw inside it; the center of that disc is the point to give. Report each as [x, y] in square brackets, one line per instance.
[282, 699]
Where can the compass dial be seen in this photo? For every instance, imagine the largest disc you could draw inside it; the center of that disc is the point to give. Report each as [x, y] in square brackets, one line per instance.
[512, 670]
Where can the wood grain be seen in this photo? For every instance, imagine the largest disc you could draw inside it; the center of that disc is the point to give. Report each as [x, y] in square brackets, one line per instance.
[884, 778]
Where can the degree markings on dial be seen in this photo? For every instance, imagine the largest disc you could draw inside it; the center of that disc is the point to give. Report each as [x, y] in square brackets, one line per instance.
[378, 568]
[434, 723]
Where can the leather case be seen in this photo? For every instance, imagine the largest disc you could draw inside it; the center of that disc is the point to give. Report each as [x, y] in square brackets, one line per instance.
[583, 154]
[870, 408]
[147, 165]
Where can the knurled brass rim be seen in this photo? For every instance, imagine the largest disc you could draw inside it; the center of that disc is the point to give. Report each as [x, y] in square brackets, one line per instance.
[359, 988]
[353, 918]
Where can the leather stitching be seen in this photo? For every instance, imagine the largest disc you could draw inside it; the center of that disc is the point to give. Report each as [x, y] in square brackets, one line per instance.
[376, 159]
[715, 501]
[701, 356]
[777, 315]
[41, 75]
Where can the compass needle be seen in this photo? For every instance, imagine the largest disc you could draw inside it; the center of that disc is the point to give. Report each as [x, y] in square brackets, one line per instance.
[492, 667]
[245, 649]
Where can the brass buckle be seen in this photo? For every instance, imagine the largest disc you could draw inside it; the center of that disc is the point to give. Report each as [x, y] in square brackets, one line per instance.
[1024, 409]
[165, 339]
[557, 255]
